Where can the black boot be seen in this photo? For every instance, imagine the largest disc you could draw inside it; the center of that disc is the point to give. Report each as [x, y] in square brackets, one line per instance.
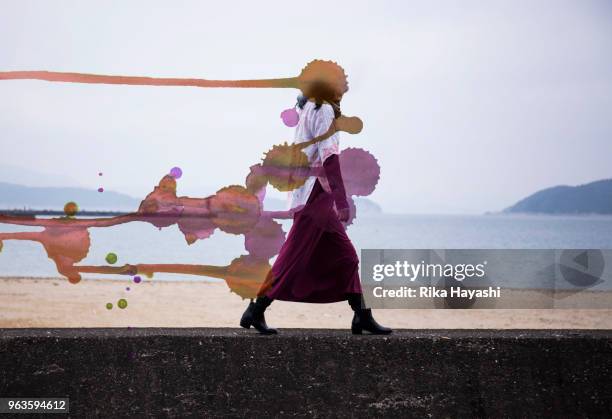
[362, 319]
[254, 316]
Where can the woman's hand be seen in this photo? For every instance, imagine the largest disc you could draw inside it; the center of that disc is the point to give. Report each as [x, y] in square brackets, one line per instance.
[344, 214]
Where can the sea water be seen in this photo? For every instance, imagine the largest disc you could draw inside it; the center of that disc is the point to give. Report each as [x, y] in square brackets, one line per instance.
[140, 242]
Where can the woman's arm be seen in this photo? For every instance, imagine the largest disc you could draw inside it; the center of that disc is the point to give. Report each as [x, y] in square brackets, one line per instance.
[331, 165]
[328, 153]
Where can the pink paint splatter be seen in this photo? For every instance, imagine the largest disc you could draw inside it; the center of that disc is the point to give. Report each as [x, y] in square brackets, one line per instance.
[176, 172]
[290, 117]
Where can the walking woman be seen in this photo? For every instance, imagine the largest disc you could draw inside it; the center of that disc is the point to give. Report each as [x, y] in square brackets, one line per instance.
[317, 263]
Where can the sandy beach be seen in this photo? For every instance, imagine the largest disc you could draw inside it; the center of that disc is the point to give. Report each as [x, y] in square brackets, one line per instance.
[54, 302]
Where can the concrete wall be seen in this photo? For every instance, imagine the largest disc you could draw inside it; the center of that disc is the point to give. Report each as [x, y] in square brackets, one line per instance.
[212, 372]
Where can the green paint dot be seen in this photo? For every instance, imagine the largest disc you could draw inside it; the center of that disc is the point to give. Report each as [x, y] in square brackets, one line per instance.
[109, 306]
[1, 245]
[122, 303]
[111, 258]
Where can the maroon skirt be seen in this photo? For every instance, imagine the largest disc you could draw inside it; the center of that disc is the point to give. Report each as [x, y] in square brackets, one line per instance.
[317, 263]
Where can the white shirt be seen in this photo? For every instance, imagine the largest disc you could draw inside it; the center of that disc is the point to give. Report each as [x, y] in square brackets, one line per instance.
[314, 122]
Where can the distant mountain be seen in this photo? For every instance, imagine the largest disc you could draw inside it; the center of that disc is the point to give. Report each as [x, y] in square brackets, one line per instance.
[364, 205]
[591, 198]
[19, 175]
[367, 206]
[13, 196]
[18, 196]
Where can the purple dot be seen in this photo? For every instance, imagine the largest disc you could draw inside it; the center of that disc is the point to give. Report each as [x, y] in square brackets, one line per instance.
[137, 279]
[176, 172]
[99, 173]
[100, 189]
[127, 288]
[290, 117]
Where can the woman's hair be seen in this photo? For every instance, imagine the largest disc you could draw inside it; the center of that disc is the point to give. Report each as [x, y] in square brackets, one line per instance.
[302, 99]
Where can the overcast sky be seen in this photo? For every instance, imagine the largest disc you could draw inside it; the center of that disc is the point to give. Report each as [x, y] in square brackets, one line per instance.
[468, 106]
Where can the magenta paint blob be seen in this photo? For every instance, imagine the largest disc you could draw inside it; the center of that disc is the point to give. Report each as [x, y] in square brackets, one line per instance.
[290, 117]
[100, 189]
[176, 172]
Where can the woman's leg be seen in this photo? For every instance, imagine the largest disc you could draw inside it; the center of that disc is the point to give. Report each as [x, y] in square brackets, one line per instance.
[362, 319]
[254, 315]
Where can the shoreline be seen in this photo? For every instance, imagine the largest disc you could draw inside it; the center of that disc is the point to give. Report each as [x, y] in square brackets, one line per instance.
[54, 302]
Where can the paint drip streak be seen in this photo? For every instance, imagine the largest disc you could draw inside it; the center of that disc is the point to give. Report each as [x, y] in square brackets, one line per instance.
[53, 76]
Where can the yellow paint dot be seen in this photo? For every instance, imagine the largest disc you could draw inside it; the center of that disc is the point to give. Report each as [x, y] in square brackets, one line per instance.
[71, 208]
